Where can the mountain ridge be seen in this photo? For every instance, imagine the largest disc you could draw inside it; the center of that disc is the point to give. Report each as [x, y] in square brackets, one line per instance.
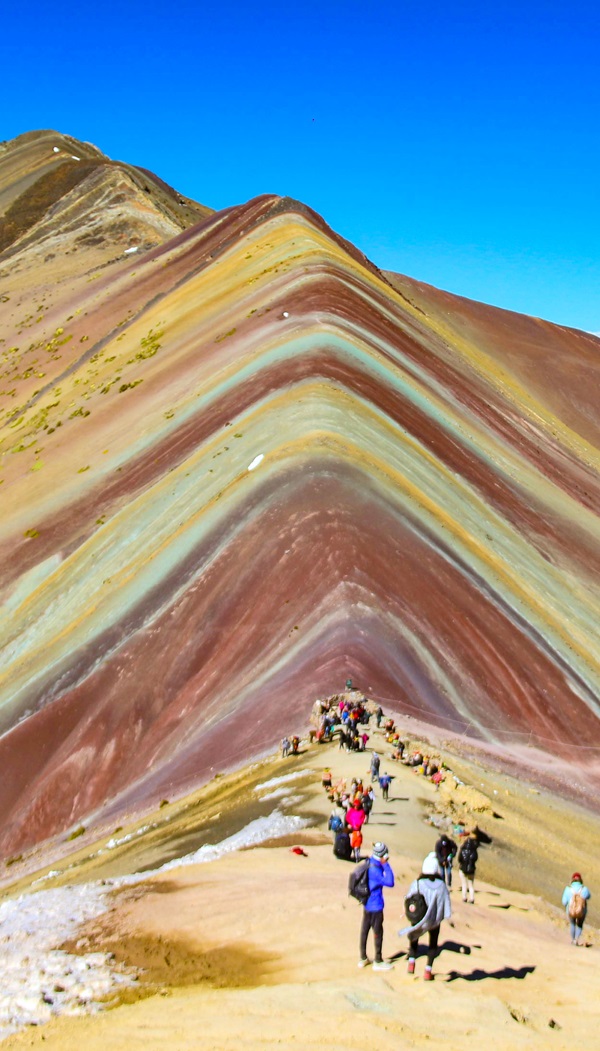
[240, 465]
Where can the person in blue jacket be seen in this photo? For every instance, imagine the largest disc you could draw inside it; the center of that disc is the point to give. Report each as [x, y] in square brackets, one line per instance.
[575, 898]
[380, 876]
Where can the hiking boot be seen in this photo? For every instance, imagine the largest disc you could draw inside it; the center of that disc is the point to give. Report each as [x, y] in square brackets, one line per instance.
[428, 977]
[383, 965]
[411, 967]
[364, 963]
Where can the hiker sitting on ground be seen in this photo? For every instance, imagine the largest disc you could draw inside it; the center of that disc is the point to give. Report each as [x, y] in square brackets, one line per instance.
[437, 901]
[575, 898]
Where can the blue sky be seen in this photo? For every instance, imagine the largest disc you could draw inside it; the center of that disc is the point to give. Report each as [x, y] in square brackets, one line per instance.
[457, 143]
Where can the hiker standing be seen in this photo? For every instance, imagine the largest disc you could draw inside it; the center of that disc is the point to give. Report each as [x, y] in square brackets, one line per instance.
[437, 900]
[467, 860]
[355, 816]
[384, 783]
[336, 821]
[575, 898]
[445, 850]
[356, 840]
[375, 763]
[380, 876]
[285, 748]
[367, 803]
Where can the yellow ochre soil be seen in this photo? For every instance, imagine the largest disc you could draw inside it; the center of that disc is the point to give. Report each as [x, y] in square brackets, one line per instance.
[260, 948]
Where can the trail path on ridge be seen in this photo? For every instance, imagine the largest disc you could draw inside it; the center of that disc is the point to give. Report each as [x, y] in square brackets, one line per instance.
[260, 950]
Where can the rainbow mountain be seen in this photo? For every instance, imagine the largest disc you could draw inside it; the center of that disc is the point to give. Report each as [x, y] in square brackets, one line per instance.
[239, 464]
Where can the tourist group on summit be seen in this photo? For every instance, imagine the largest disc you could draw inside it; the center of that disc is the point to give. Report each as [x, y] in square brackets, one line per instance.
[346, 716]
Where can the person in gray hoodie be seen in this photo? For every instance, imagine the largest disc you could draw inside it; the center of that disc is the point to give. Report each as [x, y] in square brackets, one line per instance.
[432, 886]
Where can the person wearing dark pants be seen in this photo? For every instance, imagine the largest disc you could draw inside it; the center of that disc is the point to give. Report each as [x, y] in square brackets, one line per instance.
[413, 948]
[445, 850]
[430, 884]
[384, 783]
[380, 876]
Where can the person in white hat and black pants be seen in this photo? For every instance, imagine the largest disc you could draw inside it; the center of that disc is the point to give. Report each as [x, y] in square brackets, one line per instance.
[433, 888]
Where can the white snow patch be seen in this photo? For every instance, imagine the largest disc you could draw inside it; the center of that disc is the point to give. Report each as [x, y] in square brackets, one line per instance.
[270, 827]
[55, 149]
[257, 459]
[283, 780]
[74, 158]
[112, 843]
[39, 981]
[130, 251]
[277, 794]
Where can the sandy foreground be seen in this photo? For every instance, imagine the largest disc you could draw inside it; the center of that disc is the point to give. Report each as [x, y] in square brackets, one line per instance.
[260, 948]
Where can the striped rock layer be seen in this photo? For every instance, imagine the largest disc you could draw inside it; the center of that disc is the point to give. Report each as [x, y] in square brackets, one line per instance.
[242, 464]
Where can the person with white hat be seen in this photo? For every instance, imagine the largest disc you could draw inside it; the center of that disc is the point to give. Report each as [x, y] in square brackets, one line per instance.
[431, 885]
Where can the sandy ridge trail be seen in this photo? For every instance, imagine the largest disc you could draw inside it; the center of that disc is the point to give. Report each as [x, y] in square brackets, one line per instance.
[260, 949]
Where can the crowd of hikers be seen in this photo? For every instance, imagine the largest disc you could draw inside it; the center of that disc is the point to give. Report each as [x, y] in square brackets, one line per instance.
[347, 716]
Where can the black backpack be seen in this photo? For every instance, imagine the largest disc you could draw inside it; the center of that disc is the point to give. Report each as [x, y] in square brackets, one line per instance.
[341, 846]
[358, 883]
[415, 906]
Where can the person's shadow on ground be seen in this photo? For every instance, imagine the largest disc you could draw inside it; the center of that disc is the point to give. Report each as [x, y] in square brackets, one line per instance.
[479, 974]
[460, 947]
